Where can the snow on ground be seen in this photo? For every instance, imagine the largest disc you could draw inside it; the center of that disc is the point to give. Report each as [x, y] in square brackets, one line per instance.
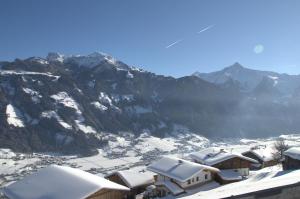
[104, 98]
[53, 114]
[12, 72]
[263, 179]
[117, 98]
[129, 75]
[99, 106]
[127, 151]
[14, 116]
[6, 154]
[149, 143]
[67, 101]
[102, 162]
[35, 96]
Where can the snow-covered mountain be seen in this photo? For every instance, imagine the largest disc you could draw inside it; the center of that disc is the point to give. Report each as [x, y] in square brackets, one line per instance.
[70, 103]
[249, 79]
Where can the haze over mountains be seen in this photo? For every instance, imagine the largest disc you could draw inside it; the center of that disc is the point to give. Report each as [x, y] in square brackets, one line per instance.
[249, 79]
[70, 103]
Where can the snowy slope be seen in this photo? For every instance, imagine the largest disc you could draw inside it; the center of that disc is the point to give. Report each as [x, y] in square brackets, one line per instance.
[249, 79]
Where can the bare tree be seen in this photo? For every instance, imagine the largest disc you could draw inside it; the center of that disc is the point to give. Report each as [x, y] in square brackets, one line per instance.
[280, 146]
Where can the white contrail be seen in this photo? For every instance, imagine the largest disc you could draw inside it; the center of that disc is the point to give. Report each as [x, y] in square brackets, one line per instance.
[174, 43]
[205, 29]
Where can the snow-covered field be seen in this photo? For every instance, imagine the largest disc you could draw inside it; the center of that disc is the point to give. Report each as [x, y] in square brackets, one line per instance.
[125, 151]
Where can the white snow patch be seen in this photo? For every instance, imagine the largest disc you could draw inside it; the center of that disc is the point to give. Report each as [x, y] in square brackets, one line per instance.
[134, 179]
[39, 60]
[6, 154]
[149, 143]
[59, 182]
[275, 79]
[53, 114]
[99, 106]
[12, 72]
[104, 98]
[66, 100]
[14, 116]
[129, 75]
[83, 127]
[35, 96]
[128, 97]
[55, 57]
[293, 152]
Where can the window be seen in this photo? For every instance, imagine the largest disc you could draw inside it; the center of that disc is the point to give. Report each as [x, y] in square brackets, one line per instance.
[192, 179]
[206, 176]
[197, 179]
[189, 181]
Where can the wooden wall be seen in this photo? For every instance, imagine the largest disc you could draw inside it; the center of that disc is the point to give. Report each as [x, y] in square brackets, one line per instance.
[290, 163]
[263, 164]
[108, 194]
[233, 163]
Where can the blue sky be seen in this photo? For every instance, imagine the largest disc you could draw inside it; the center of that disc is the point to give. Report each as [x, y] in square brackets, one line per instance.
[259, 34]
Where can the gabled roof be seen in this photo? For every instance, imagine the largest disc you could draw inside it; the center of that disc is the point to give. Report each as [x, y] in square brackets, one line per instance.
[212, 156]
[258, 183]
[178, 169]
[264, 154]
[134, 179]
[174, 188]
[59, 182]
[293, 152]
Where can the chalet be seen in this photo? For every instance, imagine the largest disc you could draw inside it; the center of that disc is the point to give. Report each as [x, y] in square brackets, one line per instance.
[262, 185]
[136, 181]
[175, 176]
[62, 182]
[233, 166]
[291, 159]
[264, 155]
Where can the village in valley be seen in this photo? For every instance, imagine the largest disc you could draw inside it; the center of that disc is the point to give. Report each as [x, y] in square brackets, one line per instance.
[263, 168]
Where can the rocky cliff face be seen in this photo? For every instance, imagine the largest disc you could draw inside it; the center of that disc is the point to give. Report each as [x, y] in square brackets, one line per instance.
[70, 103]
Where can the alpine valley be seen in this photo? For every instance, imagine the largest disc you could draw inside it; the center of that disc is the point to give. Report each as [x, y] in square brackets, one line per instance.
[72, 103]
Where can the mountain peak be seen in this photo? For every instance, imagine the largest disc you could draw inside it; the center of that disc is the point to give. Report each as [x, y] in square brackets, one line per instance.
[55, 57]
[235, 66]
[89, 60]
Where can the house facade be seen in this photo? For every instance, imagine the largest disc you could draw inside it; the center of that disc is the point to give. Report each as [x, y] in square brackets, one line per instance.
[223, 160]
[291, 159]
[200, 177]
[136, 181]
[264, 155]
[109, 194]
[175, 176]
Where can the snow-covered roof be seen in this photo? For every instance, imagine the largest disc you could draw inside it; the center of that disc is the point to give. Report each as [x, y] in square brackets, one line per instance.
[174, 188]
[229, 174]
[59, 182]
[212, 156]
[293, 152]
[259, 182]
[178, 169]
[265, 154]
[134, 179]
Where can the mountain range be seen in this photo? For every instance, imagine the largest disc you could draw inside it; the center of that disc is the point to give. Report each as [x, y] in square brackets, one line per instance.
[70, 103]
